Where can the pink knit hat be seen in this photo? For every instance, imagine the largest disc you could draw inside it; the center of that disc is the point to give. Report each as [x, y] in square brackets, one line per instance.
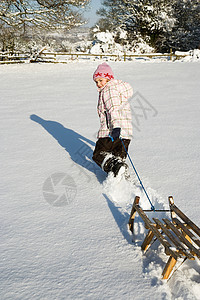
[103, 71]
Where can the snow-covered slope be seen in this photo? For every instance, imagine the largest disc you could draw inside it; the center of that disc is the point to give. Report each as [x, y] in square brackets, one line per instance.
[70, 240]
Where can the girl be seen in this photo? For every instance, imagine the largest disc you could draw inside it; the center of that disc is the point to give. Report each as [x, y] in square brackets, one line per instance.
[115, 121]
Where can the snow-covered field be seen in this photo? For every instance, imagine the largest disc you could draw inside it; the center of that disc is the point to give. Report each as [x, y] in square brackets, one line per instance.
[70, 240]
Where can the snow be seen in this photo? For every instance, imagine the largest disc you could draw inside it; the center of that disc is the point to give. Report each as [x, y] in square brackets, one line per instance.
[192, 55]
[79, 247]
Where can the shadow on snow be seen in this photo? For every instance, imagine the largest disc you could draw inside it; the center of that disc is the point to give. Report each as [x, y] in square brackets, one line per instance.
[78, 146]
[121, 218]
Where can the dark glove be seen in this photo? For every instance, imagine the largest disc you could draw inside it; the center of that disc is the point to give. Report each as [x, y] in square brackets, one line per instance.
[116, 133]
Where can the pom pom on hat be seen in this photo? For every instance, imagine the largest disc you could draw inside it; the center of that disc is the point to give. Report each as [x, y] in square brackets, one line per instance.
[103, 71]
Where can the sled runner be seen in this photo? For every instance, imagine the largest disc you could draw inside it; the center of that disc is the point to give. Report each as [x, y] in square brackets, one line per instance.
[179, 236]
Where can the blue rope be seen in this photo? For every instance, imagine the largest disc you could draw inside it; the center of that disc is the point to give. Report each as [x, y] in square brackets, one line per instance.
[152, 207]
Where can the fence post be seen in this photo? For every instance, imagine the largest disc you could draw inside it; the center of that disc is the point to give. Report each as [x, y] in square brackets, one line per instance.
[171, 54]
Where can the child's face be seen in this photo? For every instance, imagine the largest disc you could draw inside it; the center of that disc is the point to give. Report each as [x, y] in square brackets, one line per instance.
[100, 82]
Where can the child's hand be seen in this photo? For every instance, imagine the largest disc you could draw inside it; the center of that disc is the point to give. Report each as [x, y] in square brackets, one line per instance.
[116, 133]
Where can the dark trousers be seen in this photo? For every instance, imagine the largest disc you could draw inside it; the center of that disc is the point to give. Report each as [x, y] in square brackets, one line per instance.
[105, 146]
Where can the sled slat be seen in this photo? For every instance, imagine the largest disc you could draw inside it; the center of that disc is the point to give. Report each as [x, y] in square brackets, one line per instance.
[174, 240]
[191, 224]
[194, 250]
[187, 231]
[157, 233]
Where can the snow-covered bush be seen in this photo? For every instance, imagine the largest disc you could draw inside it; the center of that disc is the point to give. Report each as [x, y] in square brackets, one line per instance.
[117, 42]
[104, 42]
[140, 46]
[192, 55]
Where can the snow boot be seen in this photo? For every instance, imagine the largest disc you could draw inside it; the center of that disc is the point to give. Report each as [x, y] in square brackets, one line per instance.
[115, 165]
[119, 168]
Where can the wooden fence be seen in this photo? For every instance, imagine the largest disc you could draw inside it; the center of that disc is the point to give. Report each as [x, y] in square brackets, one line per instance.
[64, 57]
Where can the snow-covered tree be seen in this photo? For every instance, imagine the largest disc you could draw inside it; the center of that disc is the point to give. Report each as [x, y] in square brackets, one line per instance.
[149, 19]
[186, 31]
[160, 23]
[41, 13]
[25, 18]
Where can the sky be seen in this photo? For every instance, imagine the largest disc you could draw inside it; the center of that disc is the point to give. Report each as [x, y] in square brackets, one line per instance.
[91, 12]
